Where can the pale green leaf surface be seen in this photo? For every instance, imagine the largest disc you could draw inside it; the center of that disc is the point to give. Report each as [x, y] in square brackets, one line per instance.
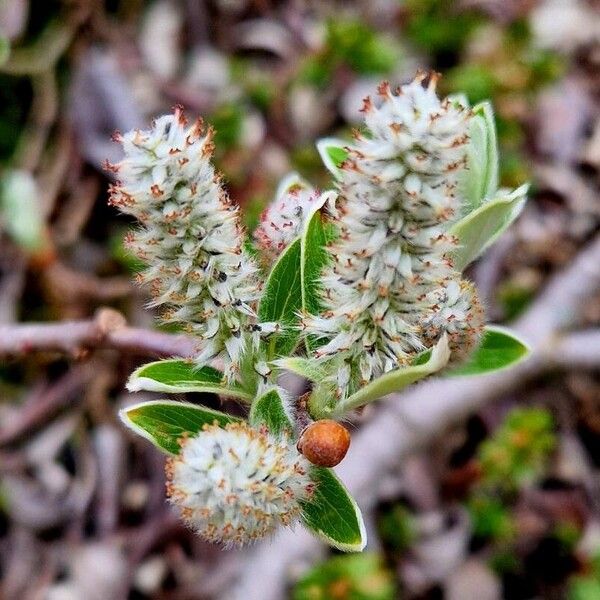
[164, 422]
[181, 376]
[485, 110]
[480, 228]
[20, 212]
[473, 179]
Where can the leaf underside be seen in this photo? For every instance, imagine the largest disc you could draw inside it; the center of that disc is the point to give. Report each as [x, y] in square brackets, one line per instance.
[305, 367]
[482, 227]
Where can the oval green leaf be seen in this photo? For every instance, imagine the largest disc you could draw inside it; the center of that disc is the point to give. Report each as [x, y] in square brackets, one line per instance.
[332, 514]
[482, 227]
[164, 422]
[282, 300]
[181, 376]
[314, 257]
[499, 349]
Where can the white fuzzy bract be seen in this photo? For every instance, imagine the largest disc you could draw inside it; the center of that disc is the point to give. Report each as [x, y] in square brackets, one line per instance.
[391, 289]
[236, 484]
[190, 236]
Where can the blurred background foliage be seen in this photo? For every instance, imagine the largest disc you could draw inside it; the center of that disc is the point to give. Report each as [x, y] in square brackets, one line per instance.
[506, 504]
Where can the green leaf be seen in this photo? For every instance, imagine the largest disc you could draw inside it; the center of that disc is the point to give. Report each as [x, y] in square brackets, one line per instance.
[485, 111]
[333, 153]
[270, 410]
[480, 180]
[480, 229]
[180, 376]
[20, 210]
[499, 349]
[395, 380]
[473, 179]
[314, 257]
[282, 300]
[164, 422]
[305, 367]
[333, 514]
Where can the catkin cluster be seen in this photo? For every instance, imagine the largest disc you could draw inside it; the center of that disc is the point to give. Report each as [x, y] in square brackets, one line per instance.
[391, 289]
[190, 237]
[236, 484]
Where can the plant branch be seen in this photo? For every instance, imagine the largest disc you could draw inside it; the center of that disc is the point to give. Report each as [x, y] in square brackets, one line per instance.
[107, 330]
[579, 350]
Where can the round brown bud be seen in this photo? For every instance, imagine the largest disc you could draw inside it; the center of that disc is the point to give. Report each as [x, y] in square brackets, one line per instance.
[324, 443]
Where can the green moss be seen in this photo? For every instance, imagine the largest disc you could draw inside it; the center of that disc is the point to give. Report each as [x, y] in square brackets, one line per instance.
[396, 527]
[519, 450]
[474, 80]
[514, 299]
[353, 44]
[438, 26]
[228, 120]
[349, 577]
[362, 48]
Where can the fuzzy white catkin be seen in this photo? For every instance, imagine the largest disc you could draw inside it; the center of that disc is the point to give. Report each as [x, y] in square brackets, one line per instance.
[236, 484]
[391, 289]
[190, 236]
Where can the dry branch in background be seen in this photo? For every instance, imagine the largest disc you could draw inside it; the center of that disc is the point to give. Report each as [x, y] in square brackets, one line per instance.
[107, 330]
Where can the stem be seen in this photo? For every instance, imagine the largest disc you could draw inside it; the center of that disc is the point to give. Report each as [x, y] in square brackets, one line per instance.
[107, 330]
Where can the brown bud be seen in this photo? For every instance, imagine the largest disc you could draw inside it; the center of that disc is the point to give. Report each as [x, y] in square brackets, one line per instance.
[324, 443]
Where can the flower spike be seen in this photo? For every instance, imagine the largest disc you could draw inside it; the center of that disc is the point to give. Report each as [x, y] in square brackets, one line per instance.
[190, 236]
[391, 290]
